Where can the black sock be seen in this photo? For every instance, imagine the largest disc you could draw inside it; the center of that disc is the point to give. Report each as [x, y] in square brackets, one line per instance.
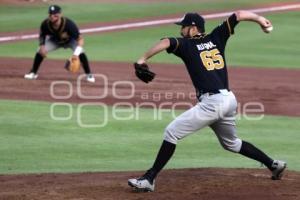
[165, 153]
[251, 151]
[85, 63]
[38, 59]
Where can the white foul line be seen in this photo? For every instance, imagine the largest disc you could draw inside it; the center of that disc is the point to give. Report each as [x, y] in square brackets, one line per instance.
[154, 22]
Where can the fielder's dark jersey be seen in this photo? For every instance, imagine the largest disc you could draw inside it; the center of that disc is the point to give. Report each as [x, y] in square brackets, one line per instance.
[66, 31]
[204, 56]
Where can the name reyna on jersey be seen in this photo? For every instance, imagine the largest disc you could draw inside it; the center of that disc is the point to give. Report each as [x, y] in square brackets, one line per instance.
[208, 45]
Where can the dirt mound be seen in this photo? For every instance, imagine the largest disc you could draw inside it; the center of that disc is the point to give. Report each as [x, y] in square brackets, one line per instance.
[206, 183]
[278, 90]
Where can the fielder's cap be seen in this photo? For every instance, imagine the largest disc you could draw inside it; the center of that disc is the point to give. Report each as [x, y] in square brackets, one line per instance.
[192, 19]
[54, 9]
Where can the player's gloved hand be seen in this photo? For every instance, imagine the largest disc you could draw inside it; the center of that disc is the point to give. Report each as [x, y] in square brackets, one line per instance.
[73, 64]
[143, 73]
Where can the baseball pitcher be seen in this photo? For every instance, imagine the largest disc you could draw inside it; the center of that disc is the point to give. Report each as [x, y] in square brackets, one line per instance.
[203, 56]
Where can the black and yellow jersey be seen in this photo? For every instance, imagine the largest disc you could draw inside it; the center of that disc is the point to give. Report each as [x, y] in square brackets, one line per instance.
[204, 56]
[66, 31]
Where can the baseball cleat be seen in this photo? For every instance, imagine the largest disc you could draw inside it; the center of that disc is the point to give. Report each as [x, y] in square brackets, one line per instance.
[279, 166]
[90, 78]
[31, 76]
[141, 185]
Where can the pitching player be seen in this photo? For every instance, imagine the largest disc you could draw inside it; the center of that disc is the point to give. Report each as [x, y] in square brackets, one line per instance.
[59, 32]
[203, 55]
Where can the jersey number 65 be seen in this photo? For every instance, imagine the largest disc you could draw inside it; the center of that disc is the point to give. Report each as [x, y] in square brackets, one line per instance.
[212, 59]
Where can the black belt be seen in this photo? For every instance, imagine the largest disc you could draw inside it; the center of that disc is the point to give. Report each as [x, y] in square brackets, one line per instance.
[209, 92]
[212, 92]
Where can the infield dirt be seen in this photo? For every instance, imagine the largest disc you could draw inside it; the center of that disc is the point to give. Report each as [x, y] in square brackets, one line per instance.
[278, 90]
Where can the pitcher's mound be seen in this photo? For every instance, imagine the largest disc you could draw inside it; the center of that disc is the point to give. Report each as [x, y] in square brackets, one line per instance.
[182, 184]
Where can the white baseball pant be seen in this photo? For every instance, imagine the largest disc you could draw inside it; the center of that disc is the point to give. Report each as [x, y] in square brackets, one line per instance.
[217, 111]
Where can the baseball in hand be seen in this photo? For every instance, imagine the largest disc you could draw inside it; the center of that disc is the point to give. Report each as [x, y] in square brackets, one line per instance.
[268, 29]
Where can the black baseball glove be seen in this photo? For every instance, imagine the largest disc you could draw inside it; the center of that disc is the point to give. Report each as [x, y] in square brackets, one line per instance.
[143, 73]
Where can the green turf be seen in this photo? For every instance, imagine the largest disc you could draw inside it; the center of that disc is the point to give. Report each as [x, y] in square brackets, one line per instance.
[15, 18]
[32, 142]
[251, 47]
[248, 47]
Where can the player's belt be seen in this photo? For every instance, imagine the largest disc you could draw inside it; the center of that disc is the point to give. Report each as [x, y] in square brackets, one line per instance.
[209, 93]
[212, 92]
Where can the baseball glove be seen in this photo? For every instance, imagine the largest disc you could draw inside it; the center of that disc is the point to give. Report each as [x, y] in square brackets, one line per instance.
[73, 64]
[143, 73]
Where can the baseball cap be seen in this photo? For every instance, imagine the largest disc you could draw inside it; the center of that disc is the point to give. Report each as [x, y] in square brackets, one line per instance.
[192, 19]
[54, 9]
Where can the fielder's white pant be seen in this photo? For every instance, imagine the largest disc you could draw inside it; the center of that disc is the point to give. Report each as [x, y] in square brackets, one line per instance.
[217, 111]
[51, 45]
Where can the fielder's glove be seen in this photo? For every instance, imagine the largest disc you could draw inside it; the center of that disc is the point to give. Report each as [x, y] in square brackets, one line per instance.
[143, 73]
[73, 64]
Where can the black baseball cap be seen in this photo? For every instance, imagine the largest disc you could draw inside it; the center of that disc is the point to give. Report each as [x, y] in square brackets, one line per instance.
[54, 9]
[192, 19]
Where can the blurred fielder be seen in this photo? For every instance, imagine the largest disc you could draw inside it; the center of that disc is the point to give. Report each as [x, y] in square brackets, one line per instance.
[60, 32]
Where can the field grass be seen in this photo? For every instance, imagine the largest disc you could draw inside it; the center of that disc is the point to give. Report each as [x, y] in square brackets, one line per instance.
[32, 142]
[16, 18]
[248, 47]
